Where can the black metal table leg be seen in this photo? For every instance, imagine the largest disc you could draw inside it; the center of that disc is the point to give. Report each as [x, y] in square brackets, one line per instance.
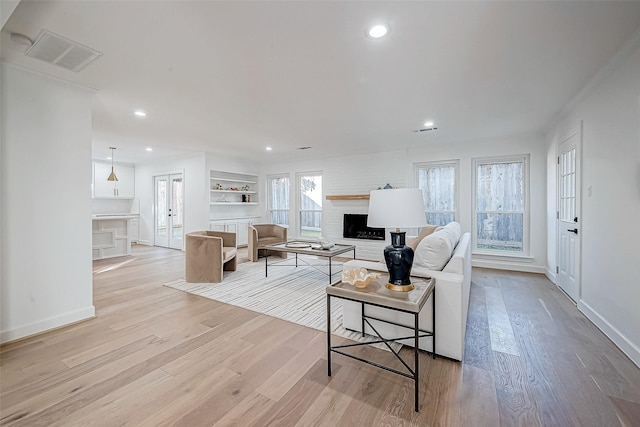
[266, 262]
[329, 335]
[330, 275]
[416, 378]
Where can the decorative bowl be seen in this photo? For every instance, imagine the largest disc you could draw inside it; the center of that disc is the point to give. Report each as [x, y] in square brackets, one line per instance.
[359, 277]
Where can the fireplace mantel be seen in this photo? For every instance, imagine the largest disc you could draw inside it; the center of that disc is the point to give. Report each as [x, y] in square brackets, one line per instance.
[348, 197]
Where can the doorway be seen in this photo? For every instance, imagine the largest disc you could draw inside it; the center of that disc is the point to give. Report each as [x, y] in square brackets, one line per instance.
[169, 211]
[568, 231]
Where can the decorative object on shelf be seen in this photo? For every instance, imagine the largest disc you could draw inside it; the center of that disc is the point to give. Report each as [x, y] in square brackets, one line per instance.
[218, 186]
[359, 277]
[245, 187]
[112, 175]
[386, 187]
[222, 198]
[397, 208]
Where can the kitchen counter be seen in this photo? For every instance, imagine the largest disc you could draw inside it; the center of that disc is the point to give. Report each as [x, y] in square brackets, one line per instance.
[100, 217]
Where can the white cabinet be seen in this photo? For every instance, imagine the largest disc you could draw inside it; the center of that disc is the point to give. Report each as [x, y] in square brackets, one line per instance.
[134, 230]
[234, 225]
[121, 189]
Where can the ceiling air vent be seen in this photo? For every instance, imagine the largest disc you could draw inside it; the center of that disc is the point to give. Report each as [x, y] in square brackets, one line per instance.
[303, 148]
[63, 52]
[425, 129]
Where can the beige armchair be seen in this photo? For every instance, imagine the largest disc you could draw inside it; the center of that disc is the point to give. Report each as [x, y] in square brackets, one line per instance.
[261, 235]
[208, 253]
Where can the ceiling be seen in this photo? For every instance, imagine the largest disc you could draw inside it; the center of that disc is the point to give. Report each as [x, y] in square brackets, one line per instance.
[235, 77]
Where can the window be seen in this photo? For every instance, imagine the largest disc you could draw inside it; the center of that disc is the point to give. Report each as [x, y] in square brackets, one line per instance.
[501, 212]
[438, 182]
[310, 205]
[278, 189]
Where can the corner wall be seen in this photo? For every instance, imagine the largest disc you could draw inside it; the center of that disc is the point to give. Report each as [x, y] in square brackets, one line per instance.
[610, 268]
[46, 204]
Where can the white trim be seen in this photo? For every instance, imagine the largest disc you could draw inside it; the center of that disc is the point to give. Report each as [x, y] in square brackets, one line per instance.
[551, 276]
[456, 168]
[526, 212]
[48, 324]
[503, 265]
[622, 342]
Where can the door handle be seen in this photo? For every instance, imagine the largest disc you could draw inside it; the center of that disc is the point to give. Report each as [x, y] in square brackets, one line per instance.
[575, 231]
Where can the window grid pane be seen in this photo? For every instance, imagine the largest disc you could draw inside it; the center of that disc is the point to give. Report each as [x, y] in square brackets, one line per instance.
[279, 200]
[438, 185]
[310, 209]
[500, 202]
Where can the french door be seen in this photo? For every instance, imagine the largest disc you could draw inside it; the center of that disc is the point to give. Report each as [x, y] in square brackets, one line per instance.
[568, 238]
[169, 211]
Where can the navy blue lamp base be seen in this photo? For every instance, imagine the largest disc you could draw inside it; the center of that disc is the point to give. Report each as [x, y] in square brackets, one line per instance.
[399, 259]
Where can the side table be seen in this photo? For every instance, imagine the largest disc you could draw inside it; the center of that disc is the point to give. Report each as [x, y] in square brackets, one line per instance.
[376, 294]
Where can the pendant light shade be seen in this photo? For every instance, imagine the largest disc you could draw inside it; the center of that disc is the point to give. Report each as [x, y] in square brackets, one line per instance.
[112, 175]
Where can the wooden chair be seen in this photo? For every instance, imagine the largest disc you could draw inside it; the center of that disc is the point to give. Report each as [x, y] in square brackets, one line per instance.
[208, 253]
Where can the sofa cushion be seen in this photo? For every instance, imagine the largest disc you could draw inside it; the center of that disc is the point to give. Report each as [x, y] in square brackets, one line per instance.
[228, 253]
[434, 251]
[424, 232]
[453, 231]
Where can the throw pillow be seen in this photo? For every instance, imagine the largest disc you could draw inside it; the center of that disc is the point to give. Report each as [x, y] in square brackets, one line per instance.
[434, 251]
[424, 232]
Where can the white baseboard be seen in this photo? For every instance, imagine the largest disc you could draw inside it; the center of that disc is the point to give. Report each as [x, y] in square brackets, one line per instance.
[145, 242]
[550, 275]
[500, 265]
[627, 347]
[47, 324]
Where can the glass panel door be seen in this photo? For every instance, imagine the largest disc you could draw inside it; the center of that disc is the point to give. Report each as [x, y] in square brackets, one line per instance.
[169, 211]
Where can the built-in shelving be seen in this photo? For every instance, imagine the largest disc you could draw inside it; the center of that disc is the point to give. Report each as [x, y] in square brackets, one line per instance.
[232, 189]
[349, 197]
[234, 203]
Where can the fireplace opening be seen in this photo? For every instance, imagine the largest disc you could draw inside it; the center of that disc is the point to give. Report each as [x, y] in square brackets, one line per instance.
[355, 227]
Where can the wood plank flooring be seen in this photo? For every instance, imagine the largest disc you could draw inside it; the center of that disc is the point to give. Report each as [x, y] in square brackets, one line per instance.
[155, 356]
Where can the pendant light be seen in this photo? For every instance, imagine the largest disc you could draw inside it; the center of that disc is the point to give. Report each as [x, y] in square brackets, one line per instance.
[112, 175]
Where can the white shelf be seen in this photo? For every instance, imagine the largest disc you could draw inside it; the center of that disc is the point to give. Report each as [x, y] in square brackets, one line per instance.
[244, 181]
[234, 203]
[234, 191]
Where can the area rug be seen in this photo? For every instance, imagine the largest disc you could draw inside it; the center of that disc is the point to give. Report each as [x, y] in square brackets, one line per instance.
[295, 294]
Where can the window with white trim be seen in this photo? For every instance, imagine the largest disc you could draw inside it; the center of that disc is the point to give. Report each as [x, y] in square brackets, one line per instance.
[501, 211]
[309, 188]
[278, 189]
[438, 182]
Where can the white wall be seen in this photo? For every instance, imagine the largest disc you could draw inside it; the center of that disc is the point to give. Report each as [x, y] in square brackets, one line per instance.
[46, 204]
[196, 205]
[610, 271]
[363, 173]
[534, 145]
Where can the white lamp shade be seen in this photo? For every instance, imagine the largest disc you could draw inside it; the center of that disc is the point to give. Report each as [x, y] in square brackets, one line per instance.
[396, 208]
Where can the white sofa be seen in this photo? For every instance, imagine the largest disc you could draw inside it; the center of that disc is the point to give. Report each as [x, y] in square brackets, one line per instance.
[453, 285]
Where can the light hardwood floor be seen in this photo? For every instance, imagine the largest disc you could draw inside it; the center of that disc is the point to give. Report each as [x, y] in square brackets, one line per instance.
[157, 356]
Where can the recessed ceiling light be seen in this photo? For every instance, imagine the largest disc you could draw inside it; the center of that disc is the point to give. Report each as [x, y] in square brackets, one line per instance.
[149, 149]
[109, 158]
[378, 31]
[428, 124]
[268, 148]
[140, 113]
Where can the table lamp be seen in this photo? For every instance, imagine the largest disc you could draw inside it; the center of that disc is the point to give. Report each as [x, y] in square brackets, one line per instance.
[397, 208]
